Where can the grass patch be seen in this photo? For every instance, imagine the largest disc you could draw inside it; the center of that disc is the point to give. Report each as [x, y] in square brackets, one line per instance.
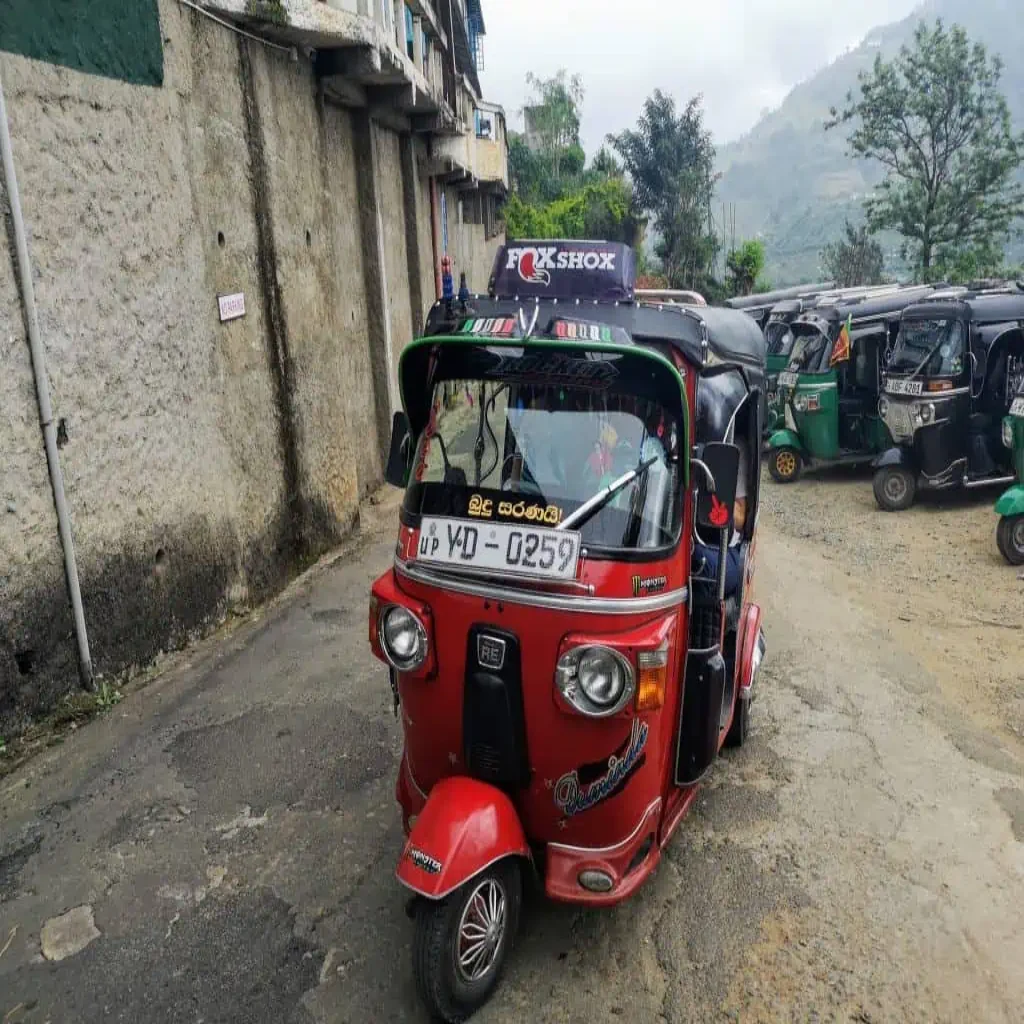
[267, 10]
[73, 711]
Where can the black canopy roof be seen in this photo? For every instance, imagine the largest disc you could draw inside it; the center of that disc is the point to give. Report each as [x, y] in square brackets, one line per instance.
[732, 336]
[980, 308]
[870, 307]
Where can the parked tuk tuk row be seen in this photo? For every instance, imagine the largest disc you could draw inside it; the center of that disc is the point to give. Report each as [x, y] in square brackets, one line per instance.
[569, 625]
[924, 383]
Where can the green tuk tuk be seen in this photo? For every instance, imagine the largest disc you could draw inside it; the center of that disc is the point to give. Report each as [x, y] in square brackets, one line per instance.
[829, 390]
[779, 337]
[1010, 507]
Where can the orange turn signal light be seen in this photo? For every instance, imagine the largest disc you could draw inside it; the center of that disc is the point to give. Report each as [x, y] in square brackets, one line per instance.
[939, 385]
[652, 678]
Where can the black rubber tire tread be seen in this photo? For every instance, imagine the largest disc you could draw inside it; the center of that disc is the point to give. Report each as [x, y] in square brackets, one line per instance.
[740, 728]
[877, 485]
[446, 997]
[1004, 540]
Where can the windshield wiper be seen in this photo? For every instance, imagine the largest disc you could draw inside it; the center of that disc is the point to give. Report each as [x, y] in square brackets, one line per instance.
[593, 505]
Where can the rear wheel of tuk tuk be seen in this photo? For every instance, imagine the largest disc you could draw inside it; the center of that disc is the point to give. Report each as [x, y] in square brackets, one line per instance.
[895, 488]
[785, 465]
[1010, 538]
[461, 943]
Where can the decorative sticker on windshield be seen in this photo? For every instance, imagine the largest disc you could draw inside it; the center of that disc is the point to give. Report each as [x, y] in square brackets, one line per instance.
[554, 368]
[518, 511]
[591, 784]
[585, 330]
[490, 327]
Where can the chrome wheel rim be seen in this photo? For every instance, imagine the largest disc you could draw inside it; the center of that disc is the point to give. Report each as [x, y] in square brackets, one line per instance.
[895, 488]
[481, 931]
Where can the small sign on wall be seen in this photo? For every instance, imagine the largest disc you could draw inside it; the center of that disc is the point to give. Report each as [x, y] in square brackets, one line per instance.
[231, 306]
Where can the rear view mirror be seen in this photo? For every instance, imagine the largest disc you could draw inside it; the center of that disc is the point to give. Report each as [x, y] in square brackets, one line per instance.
[396, 472]
[717, 470]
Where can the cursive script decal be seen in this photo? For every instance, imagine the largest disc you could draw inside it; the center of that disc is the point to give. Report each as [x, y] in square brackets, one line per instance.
[587, 786]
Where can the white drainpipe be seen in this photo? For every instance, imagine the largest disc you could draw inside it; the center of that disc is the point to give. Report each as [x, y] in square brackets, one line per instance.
[43, 397]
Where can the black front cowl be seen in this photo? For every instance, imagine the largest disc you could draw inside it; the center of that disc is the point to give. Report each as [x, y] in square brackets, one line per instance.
[493, 719]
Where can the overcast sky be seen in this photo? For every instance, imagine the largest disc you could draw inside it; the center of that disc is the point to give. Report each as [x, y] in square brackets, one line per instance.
[743, 55]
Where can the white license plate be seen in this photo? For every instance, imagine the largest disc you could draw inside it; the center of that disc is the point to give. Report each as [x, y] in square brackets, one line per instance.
[1017, 406]
[788, 379]
[903, 387]
[503, 548]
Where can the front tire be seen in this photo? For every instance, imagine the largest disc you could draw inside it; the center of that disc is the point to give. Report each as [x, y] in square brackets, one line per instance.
[785, 465]
[461, 943]
[1010, 538]
[740, 728]
[895, 488]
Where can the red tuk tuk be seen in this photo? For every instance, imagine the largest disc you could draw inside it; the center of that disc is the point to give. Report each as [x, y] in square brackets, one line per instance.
[565, 672]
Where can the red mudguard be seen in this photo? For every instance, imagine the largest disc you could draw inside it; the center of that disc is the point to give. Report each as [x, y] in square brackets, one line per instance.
[464, 828]
[748, 642]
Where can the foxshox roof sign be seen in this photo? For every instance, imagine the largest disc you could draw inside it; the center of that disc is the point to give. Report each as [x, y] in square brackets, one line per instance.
[565, 270]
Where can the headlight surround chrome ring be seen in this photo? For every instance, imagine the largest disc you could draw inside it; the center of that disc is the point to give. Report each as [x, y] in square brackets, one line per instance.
[800, 403]
[883, 406]
[926, 412]
[403, 638]
[597, 681]
[1007, 433]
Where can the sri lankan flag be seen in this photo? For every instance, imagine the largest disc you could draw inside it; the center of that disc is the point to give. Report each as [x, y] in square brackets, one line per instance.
[841, 349]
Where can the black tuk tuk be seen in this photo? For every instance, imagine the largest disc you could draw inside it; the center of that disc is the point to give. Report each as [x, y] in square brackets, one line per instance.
[947, 388]
[759, 307]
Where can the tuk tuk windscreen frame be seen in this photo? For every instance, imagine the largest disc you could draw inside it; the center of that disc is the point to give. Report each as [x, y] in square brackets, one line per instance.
[535, 429]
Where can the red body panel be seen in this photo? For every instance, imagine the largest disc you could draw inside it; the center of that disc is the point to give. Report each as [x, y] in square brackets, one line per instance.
[750, 629]
[464, 827]
[600, 788]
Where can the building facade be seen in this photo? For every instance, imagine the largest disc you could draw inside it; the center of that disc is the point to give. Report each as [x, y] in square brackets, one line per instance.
[236, 213]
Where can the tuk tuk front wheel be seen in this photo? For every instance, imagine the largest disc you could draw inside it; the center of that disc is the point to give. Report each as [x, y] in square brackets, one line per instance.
[785, 464]
[461, 943]
[895, 488]
[1010, 538]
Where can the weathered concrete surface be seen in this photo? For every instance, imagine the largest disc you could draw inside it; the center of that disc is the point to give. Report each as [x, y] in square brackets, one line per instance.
[234, 829]
[203, 462]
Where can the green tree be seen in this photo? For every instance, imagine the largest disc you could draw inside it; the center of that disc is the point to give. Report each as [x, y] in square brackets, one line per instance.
[554, 116]
[670, 159]
[743, 267]
[935, 117]
[855, 259]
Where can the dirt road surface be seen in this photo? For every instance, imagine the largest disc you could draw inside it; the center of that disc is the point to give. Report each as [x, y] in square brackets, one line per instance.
[221, 846]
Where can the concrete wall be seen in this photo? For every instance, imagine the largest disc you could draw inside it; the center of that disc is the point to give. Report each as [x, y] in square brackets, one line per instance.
[470, 249]
[204, 463]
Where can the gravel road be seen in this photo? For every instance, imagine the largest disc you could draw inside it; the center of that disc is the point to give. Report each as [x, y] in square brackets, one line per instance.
[221, 847]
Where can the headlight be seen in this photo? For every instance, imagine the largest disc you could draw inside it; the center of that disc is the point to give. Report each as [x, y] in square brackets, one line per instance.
[800, 403]
[1007, 433]
[403, 638]
[926, 412]
[597, 681]
[883, 406]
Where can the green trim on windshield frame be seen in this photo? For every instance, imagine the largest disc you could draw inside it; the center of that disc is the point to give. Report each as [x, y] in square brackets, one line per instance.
[556, 343]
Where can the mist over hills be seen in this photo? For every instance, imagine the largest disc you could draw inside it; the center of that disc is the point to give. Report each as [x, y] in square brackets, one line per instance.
[792, 184]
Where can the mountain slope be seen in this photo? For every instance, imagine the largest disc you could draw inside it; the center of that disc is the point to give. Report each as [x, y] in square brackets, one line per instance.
[791, 183]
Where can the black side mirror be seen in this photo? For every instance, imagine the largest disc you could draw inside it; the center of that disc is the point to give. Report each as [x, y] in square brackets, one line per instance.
[399, 463]
[717, 468]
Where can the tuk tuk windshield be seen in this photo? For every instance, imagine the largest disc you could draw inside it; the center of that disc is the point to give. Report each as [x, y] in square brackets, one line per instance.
[809, 345]
[779, 337]
[930, 348]
[517, 452]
